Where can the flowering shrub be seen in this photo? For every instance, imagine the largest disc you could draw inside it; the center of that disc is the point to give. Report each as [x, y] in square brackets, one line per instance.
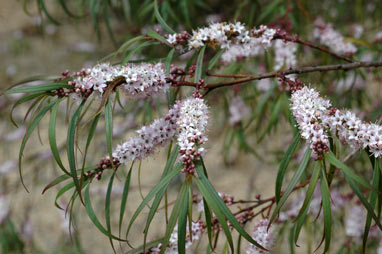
[258, 73]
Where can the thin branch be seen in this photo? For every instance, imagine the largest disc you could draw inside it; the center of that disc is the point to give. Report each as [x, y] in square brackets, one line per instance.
[322, 68]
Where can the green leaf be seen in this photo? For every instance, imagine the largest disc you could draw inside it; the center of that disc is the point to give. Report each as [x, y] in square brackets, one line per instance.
[200, 169]
[92, 130]
[373, 199]
[29, 131]
[125, 194]
[52, 136]
[292, 184]
[325, 194]
[199, 65]
[363, 200]
[284, 165]
[21, 101]
[347, 171]
[139, 249]
[161, 193]
[162, 184]
[167, 63]
[207, 195]
[61, 192]
[208, 216]
[66, 9]
[107, 208]
[39, 88]
[214, 60]
[161, 20]
[93, 217]
[109, 129]
[64, 177]
[182, 196]
[308, 198]
[182, 224]
[274, 118]
[45, 11]
[136, 49]
[158, 37]
[70, 147]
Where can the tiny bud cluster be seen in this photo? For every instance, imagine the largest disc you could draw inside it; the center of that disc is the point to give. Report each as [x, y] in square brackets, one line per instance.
[149, 138]
[105, 163]
[197, 229]
[192, 124]
[261, 235]
[332, 38]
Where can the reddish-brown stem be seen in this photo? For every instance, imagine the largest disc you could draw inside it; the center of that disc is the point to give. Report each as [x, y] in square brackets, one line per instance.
[311, 45]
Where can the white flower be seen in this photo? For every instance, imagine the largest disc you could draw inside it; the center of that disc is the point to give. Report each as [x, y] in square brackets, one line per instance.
[285, 54]
[261, 235]
[149, 138]
[197, 229]
[355, 222]
[237, 110]
[4, 208]
[332, 38]
[192, 124]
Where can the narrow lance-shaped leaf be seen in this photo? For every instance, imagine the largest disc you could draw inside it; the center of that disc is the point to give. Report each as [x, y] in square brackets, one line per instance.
[199, 65]
[29, 131]
[284, 165]
[162, 184]
[39, 88]
[325, 194]
[158, 37]
[174, 217]
[107, 208]
[200, 169]
[70, 147]
[52, 136]
[182, 224]
[21, 101]
[373, 199]
[93, 217]
[161, 20]
[347, 171]
[109, 129]
[292, 184]
[215, 207]
[308, 198]
[125, 194]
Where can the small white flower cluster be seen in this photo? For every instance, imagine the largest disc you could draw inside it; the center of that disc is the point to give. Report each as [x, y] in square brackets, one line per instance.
[331, 38]
[355, 132]
[251, 45]
[261, 235]
[351, 81]
[219, 33]
[141, 80]
[238, 110]
[197, 229]
[192, 124]
[355, 222]
[149, 138]
[285, 54]
[314, 116]
[307, 108]
[4, 208]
